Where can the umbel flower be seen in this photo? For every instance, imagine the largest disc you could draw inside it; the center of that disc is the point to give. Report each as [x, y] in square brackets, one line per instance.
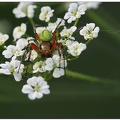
[35, 88]
[48, 52]
[89, 31]
[24, 9]
[12, 67]
[75, 11]
[19, 31]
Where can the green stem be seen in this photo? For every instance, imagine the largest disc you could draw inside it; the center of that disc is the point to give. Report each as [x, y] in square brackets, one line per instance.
[91, 78]
[26, 35]
[88, 41]
[3, 46]
[70, 59]
[76, 22]
[32, 22]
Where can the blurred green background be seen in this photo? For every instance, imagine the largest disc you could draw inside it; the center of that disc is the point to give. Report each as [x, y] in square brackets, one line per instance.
[71, 97]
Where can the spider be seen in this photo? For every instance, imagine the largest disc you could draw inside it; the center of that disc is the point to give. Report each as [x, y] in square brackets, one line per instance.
[47, 45]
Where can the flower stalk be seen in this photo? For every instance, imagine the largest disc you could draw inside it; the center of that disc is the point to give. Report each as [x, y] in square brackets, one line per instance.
[92, 79]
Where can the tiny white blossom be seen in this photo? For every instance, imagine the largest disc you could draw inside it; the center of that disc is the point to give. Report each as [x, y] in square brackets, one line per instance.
[46, 13]
[74, 12]
[58, 72]
[13, 68]
[39, 67]
[21, 10]
[49, 64]
[60, 20]
[22, 43]
[93, 5]
[76, 48]
[89, 31]
[35, 88]
[56, 63]
[33, 55]
[24, 9]
[19, 31]
[52, 26]
[68, 32]
[69, 42]
[3, 38]
[12, 51]
[30, 11]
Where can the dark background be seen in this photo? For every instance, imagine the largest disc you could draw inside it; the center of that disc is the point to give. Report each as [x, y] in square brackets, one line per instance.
[70, 97]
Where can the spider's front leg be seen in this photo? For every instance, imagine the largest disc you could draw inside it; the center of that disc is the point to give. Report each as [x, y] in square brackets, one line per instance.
[34, 47]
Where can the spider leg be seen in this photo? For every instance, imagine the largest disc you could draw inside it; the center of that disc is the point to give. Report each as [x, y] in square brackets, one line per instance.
[63, 58]
[28, 60]
[59, 52]
[29, 48]
[25, 52]
[57, 26]
[35, 33]
[56, 46]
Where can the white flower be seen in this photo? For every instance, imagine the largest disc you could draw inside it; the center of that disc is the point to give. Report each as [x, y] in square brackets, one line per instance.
[21, 10]
[33, 55]
[46, 13]
[76, 48]
[60, 20]
[22, 43]
[75, 12]
[3, 38]
[24, 9]
[49, 64]
[35, 88]
[89, 31]
[39, 67]
[69, 42]
[13, 68]
[12, 51]
[19, 31]
[90, 5]
[56, 63]
[30, 11]
[68, 32]
[58, 72]
[52, 26]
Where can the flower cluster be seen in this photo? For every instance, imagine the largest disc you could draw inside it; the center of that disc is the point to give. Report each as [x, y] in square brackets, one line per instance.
[48, 52]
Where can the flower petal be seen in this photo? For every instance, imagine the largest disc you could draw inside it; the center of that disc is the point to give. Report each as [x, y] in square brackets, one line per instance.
[17, 76]
[32, 95]
[45, 91]
[27, 89]
[32, 81]
[39, 95]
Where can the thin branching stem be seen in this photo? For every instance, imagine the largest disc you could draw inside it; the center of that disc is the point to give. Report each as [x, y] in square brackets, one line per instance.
[94, 79]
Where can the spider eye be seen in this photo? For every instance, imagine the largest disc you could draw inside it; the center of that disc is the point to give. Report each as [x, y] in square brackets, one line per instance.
[46, 35]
